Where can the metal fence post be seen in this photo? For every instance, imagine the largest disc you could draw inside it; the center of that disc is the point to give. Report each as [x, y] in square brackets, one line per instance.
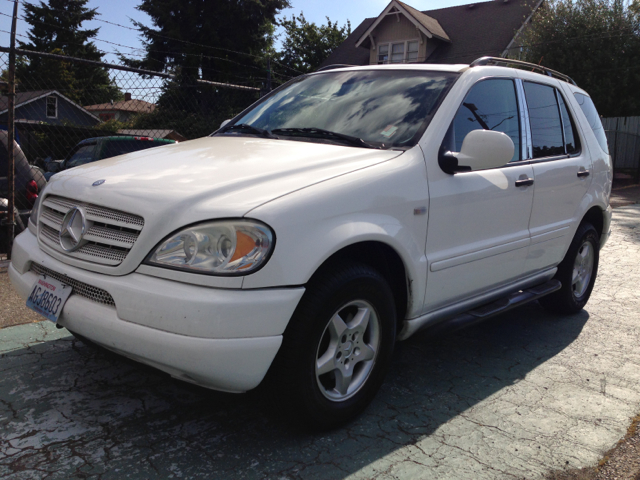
[11, 93]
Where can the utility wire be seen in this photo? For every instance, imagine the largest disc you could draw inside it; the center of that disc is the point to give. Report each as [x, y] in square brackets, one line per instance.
[154, 33]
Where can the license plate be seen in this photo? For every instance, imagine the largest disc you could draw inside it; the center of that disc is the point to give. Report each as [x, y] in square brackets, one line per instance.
[48, 296]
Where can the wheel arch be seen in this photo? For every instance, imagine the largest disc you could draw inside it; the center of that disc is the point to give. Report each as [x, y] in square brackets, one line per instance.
[595, 216]
[384, 259]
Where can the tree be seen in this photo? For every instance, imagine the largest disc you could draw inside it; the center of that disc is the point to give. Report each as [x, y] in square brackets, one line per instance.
[222, 40]
[306, 45]
[56, 28]
[597, 43]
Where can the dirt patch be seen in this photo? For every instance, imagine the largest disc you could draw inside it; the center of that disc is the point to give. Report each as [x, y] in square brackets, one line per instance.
[622, 462]
[13, 310]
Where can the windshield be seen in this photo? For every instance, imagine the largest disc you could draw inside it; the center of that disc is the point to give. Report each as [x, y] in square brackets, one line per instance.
[80, 155]
[385, 108]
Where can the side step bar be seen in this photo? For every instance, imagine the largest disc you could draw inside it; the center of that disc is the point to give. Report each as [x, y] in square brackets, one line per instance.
[489, 310]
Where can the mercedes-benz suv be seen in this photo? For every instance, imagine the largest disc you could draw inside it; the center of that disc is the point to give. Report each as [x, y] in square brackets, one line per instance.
[346, 210]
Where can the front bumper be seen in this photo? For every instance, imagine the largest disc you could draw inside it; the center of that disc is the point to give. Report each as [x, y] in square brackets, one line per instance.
[218, 338]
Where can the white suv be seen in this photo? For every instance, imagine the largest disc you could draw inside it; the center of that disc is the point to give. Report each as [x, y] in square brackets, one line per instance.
[346, 210]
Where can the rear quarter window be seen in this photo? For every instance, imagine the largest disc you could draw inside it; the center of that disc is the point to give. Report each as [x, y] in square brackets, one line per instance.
[589, 110]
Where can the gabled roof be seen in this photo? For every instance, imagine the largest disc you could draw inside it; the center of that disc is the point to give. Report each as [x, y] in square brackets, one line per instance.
[24, 98]
[475, 30]
[423, 22]
[135, 106]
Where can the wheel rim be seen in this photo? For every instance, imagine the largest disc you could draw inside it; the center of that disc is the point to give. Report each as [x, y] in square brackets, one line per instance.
[347, 350]
[582, 269]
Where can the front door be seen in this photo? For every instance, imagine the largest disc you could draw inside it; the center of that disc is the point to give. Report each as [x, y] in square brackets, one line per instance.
[478, 231]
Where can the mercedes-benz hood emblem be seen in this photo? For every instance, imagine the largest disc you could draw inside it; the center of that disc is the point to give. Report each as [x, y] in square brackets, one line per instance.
[73, 228]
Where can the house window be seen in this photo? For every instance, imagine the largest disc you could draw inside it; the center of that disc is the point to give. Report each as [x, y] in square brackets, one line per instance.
[401, 52]
[383, 53]
[412, 51]
[397, 53]
[52, 107]
[107, 116]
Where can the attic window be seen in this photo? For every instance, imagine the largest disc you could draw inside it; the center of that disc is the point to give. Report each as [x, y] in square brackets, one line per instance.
[399, 52]
[52, 107]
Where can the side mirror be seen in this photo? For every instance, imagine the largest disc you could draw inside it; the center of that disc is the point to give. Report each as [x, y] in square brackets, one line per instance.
[225, 122]
[481, 149]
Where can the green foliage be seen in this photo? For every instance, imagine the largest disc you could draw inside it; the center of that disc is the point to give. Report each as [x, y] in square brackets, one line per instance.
[211, 33]
[597, 43]
[56, 28]
[194, 110]
[306, 45]
[111, 126]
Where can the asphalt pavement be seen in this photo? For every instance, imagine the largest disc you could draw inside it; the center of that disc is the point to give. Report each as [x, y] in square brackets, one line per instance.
[519, 396]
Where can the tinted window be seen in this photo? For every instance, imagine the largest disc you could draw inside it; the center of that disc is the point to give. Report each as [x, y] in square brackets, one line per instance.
[544, 117]
[81, 155]
[589, 110]
[120, 147]
[571, 139]
[381, 107]
[489, 105]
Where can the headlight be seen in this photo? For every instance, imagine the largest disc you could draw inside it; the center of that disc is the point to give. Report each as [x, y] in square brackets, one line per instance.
[232, 247]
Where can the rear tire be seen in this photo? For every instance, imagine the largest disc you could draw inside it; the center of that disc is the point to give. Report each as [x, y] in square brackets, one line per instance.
[577, 272]
[336, 348]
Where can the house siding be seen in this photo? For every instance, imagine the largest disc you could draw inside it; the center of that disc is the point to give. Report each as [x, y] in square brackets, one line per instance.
[68, 114]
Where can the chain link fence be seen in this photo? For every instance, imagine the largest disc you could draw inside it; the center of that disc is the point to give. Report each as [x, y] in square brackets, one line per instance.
[53, 115]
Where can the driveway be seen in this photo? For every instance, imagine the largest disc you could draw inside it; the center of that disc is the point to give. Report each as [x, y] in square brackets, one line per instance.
[515, 397]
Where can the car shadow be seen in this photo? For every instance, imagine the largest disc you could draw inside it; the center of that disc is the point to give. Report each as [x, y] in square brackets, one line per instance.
[67, 410]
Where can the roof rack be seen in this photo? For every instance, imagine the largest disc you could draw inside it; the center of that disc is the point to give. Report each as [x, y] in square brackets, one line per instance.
[507, 61]
[331, 67]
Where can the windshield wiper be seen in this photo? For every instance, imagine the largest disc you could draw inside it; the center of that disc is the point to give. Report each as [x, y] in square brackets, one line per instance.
[358, 142]
[249, 128]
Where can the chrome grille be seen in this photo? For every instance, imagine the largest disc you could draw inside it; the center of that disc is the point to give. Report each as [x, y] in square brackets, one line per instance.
[109, 237]
[89, 292]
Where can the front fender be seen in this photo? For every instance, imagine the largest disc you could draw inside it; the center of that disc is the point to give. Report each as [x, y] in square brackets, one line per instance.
[378, 203]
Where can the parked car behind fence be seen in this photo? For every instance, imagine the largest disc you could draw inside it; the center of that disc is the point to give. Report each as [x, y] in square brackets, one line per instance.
[99, 148]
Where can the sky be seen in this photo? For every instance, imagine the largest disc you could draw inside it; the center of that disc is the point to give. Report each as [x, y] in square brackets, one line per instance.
[121, 11]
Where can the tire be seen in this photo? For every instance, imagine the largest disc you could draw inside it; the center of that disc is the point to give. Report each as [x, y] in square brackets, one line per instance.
[577, 272]
[336, 349]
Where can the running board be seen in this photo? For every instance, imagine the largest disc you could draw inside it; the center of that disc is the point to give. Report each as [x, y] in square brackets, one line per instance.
[492, 309]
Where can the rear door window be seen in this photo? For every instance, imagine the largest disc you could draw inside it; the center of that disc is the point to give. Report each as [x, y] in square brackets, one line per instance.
[553, 130]
[544, 118]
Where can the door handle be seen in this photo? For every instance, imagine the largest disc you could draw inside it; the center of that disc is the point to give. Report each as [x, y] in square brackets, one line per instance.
[525, 182]
[583, 173]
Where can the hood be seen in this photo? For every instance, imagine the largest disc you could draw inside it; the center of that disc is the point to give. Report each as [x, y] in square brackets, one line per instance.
[212, 177]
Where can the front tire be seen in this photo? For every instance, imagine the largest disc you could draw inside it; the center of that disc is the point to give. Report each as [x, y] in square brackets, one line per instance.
[336, 349]
[577, 272]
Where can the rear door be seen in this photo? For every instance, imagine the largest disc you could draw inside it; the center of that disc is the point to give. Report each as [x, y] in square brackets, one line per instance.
[562, 171]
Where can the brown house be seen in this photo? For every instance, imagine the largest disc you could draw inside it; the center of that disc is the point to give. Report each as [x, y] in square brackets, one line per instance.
[402, 34]
[122, 110]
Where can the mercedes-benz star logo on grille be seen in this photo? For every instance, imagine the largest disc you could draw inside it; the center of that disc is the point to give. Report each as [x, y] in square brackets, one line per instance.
[72, 230]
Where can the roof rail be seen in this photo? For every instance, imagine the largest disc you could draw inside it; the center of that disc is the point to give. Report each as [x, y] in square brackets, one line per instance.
[508, 61]
[337, 65]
